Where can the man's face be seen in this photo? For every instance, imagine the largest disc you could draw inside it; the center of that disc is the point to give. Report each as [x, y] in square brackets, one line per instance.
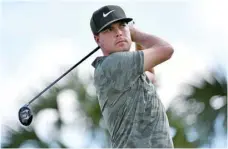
[114, 38]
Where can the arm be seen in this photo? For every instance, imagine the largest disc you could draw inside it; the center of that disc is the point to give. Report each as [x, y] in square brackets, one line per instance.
[150, 73]
[139, 47]
[156, 50]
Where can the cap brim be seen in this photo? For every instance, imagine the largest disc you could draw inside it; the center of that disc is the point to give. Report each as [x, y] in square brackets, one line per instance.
[107, 24]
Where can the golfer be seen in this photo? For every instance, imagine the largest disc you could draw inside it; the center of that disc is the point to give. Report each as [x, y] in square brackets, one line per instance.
[134, 115]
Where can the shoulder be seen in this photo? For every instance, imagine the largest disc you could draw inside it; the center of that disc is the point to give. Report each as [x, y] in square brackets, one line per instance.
[121, 57]
[111, 60]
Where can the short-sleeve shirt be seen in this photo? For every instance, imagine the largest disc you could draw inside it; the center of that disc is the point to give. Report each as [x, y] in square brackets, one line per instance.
[131, 108]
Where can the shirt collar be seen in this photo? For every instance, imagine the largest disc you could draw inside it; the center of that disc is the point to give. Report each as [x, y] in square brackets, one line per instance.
[98, 60]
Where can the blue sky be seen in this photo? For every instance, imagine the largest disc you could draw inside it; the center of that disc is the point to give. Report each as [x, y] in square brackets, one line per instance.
[40, 39]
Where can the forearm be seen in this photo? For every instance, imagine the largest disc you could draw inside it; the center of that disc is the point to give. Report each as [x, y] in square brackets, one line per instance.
[156, 50]
[146, 40]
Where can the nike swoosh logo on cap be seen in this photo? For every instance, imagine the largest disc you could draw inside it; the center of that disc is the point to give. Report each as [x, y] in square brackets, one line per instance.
[106, 14]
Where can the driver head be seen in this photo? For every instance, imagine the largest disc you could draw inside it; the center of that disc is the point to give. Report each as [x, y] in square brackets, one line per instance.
[25, 116]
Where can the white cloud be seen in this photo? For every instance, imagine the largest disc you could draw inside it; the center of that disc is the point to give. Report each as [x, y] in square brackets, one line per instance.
[68, 105]
[215, 14]
[46, 59]
[181, 68]
[43, 63]
[44, 125]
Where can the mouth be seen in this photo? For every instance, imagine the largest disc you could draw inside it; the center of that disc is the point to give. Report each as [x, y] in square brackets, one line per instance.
[121, 41]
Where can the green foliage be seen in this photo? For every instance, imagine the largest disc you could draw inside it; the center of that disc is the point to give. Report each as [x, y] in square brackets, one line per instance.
[88, 104]
[187, 113]
[198, 113]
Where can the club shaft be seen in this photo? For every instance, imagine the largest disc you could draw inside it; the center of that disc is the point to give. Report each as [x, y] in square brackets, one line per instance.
[63, 75]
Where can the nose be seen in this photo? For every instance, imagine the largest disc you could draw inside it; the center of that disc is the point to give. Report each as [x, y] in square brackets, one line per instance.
[118, 32]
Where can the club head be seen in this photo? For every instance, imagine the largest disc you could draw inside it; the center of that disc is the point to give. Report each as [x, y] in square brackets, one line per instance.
[25, 115]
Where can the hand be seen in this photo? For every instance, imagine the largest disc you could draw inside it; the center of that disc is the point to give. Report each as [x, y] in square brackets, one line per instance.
[132, 31]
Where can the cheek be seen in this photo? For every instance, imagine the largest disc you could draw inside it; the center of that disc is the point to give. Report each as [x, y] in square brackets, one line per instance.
[128, 34]
[106, 42]
[128, 37]
[101, 43]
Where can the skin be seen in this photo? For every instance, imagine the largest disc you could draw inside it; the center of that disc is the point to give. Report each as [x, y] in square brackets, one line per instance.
[115, 38]
[150, 73]
[118, 37]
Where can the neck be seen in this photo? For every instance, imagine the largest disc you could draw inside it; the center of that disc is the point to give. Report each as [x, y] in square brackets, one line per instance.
[105, 53]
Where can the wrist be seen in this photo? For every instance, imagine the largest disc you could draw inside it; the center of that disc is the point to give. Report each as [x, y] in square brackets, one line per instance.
[133, 33]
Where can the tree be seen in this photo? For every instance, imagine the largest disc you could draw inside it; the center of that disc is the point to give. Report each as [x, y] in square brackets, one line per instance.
[88, 108]
[194, 116]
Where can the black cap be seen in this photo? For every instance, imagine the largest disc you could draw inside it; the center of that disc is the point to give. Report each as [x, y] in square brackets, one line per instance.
[105, 16]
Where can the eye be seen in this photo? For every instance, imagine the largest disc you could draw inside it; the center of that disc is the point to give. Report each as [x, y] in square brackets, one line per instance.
[123, 24]
[108, 29]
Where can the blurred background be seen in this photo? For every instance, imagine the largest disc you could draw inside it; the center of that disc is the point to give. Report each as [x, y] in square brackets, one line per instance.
[41, 39]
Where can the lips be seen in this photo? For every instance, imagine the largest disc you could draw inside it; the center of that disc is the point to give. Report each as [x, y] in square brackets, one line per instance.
[119, 41]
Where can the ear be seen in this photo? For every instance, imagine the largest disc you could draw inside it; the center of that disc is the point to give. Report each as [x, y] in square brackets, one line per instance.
[96, 38]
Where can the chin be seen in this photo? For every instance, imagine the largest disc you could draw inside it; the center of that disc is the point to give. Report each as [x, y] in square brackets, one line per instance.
[124, 48]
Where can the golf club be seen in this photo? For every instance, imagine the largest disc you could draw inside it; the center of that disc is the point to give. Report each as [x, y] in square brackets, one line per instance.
[25, 114]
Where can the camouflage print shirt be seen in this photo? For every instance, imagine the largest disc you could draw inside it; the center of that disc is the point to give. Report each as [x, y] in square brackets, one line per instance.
[134, 115]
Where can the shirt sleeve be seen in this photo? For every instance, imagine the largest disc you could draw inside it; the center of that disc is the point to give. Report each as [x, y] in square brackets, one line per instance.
[123, 68]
